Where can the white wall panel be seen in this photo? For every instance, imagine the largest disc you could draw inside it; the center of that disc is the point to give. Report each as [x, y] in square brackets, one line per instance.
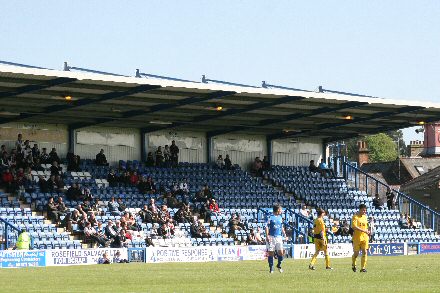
[114, 153]
[45, 135]
[241, 149]
[297, 152]
[192, 145]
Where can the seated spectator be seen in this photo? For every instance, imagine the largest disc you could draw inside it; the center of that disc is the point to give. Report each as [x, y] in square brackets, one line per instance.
[113, 206]
[7, 180]
[117, 258]
[55, 169]
[134, 178]
[150, 160]
[266, 164]
[305, 212]
[74, 164]
[104, 259]
[61, 206]
[44, 157]
[121, 205]
[254, 238]
[74, 192]
[153, 207]
[183, 187]
[110, 231]
[145, 215]
[404, 221]
[325, 170]
[43, 184]
[3, 150]
[72, 218]
[204, 194]
[159, 157]
[235, 224]
[312, 167]
[59, 184]
[228, 163]
[35, 151]
[101, 160]
[213, 207]
[220, 162]
[91, 233]
[53, 156]
[52, 210]
[165, 231]
[257, 167]
[183, 215]
[377, 202]
[4, 162]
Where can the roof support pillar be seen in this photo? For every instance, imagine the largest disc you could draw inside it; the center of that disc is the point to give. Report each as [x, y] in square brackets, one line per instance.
[269, 149]
[209, 146]
[143, 146]
[71, 139]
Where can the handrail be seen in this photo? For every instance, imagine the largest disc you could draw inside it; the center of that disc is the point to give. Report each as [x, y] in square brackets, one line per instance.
[6, 230]
[300, 219]
[414, 208]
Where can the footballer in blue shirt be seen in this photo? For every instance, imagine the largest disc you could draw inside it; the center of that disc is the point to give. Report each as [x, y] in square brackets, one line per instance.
[274, 237]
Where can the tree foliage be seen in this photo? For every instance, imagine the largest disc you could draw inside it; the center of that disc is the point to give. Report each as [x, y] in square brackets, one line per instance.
[382, 146]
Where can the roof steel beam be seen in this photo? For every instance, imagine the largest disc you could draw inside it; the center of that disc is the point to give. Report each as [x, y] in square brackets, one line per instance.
[204, 118]
[347, 122]
[288, 118]
[36, 87]
[158, 108]
[82, 102]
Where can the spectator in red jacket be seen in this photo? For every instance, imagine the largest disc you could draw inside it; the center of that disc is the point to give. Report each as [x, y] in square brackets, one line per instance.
[7, 179]
[134, 178]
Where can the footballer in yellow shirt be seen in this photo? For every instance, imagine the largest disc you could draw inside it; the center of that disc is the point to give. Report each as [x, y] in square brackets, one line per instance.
[361, 237]
[320, 239]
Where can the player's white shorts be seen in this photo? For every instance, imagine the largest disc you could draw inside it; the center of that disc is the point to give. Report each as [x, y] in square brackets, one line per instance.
[275, 243]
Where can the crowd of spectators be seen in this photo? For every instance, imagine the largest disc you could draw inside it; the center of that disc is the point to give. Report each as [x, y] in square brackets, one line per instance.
[164, 157]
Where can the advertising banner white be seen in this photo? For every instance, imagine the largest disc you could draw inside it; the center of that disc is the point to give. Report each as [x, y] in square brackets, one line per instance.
[205, 253]
[69, 257]
[335, 250]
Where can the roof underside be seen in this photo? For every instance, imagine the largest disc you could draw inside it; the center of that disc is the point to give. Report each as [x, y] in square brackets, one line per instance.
[37, 96]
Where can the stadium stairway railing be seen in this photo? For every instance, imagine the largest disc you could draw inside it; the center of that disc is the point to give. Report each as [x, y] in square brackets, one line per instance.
[8, 241]
[301, 226]
[416, 210]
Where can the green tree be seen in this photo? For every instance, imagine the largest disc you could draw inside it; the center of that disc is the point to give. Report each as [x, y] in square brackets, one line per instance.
[382, 148]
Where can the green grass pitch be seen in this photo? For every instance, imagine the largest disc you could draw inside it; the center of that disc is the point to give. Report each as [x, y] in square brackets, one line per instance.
[417, 273]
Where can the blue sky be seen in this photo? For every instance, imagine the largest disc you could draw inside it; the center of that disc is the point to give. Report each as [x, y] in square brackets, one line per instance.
[381, 48]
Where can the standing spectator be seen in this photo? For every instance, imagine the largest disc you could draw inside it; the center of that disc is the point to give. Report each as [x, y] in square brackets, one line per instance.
[19, 142]
[54, 156]
[112, 178]
[220, 162]
[257, 167]
[390, 199]
[101, 160]
[159, 157]
[228, 163]
[174, 149]
[150, 160]
[167, 156]
[74, 164]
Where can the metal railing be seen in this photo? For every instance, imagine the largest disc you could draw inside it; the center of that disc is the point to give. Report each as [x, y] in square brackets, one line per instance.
[8, 241]
[301, 227]
[416, 210]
